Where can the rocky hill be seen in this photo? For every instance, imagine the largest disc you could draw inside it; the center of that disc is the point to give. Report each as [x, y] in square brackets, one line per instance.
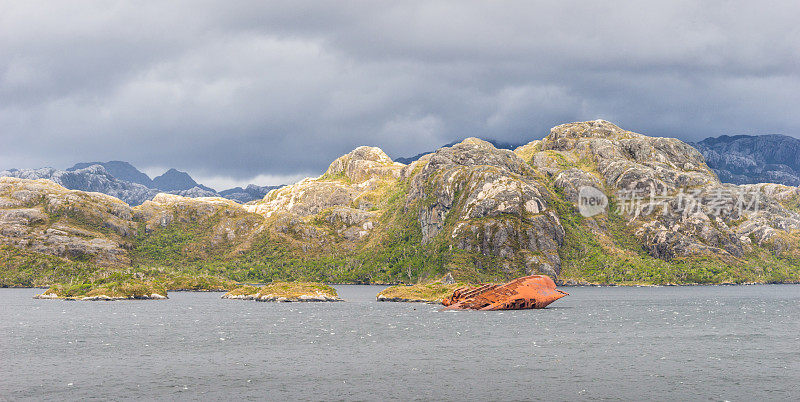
[471, 209]
[747, 159]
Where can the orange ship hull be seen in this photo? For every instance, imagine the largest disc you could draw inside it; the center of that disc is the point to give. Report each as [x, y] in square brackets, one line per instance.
[535, 291]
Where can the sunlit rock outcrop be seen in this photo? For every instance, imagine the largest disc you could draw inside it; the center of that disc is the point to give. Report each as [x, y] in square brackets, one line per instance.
[46, 218]
[488, 202]
[345, 199]
[676, 204]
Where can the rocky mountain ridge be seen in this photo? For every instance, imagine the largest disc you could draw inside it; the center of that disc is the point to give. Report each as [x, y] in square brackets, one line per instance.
[749, 159]
[471, 209]
[120, 170]
[93, 178]
[122, 180]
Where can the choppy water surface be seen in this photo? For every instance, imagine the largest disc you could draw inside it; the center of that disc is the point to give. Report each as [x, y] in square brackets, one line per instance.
[718, 343]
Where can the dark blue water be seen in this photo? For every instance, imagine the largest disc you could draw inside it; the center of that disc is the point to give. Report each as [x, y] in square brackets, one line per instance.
[673, 343]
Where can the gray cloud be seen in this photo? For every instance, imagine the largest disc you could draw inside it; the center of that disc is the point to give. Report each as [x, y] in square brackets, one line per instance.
[234, 91]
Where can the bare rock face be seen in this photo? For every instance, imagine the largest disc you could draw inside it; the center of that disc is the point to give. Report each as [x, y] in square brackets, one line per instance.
[778, 192]
[364, 163]
[348, 182]
[308, 197]
[46, 218]
[571, 180]
[487, 202]
[676, 204]
[346, 199]
[627, 160]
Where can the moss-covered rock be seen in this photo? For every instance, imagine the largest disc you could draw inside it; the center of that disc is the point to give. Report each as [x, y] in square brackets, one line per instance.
[43, 217]
[285, 292]
[113, 290]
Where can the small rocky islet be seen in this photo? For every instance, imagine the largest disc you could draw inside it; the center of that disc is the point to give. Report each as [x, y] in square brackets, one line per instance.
[134, 286]
[430, 292]
[109, 291]
[285, 292]
[157, 290]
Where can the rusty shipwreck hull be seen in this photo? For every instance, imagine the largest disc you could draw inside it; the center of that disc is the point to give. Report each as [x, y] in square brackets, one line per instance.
[535, 291]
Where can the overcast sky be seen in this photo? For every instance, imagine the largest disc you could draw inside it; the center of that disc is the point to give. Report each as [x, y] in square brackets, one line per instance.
[265, 92]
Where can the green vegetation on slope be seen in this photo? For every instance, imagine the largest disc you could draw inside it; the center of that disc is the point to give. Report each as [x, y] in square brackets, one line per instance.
[394, 255]
[22, 268]
[29, 269]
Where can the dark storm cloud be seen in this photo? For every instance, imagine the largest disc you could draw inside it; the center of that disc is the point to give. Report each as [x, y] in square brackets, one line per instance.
[232, 91]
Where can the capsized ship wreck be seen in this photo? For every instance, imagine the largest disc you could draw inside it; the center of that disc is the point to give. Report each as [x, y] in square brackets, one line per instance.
[535, 291]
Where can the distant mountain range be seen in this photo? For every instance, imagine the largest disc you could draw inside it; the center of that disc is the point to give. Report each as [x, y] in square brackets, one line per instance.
[171, 180]
[740, 159]
[750, 159]
[120, 170]
[122, 180]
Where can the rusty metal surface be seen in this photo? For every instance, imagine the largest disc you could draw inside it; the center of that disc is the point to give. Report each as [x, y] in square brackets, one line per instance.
[535, 291]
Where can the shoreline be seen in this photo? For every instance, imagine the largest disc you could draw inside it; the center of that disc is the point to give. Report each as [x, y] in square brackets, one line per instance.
[53, 296]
